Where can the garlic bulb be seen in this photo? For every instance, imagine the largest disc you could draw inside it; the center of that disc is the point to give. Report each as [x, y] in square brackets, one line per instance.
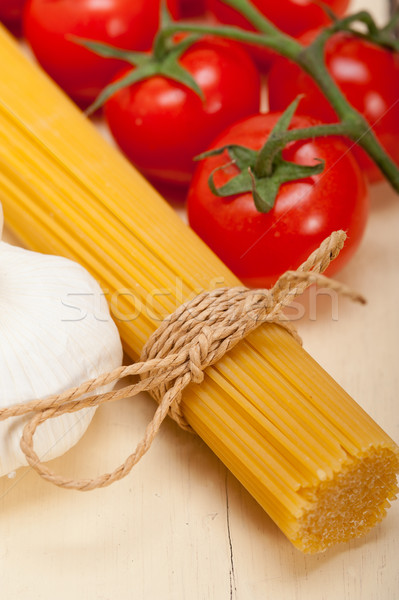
[55, 333]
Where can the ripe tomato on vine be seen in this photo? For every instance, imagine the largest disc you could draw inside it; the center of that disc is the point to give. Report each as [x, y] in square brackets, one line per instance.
[161, 124]
[368, 76]
[259, 245]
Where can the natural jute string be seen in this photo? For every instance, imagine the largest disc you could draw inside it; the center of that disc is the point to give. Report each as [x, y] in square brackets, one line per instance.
[194, 337]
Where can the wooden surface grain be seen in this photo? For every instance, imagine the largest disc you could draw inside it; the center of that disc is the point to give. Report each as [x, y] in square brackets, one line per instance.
[180, 526]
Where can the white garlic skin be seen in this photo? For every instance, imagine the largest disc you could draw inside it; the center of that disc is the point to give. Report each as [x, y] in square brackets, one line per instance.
[55, 333]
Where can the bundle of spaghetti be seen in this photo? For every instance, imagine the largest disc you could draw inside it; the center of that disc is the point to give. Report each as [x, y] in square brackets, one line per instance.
[315, 461]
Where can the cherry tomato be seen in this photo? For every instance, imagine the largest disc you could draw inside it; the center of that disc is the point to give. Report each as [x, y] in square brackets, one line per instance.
[259, 247]
[161, 124]
[368, 76]
[291, 16]
[11, 14]
[81, 73]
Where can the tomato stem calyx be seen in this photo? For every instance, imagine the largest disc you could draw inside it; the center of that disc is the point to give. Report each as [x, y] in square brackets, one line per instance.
[264, 172]
[163, 61]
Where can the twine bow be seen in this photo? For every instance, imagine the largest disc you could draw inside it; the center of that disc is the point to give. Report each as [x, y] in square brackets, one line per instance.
[194, 337]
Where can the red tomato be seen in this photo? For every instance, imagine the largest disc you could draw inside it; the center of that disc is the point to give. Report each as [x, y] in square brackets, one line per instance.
[259, 247]
[161, 125]
[368, 76]
[81, 73]
[11, 13]
[291, 16]
[192, 8]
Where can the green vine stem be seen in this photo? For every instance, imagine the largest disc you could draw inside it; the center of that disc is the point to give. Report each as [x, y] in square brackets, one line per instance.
[311, 58]
[266, 156]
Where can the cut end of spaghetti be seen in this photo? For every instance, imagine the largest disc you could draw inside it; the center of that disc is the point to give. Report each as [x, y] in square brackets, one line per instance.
[350, 504]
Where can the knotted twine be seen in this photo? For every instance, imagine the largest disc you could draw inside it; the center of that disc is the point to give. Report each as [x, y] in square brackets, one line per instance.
[194, 337]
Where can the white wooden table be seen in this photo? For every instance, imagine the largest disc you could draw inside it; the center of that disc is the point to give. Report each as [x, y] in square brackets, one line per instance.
[180, 526]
